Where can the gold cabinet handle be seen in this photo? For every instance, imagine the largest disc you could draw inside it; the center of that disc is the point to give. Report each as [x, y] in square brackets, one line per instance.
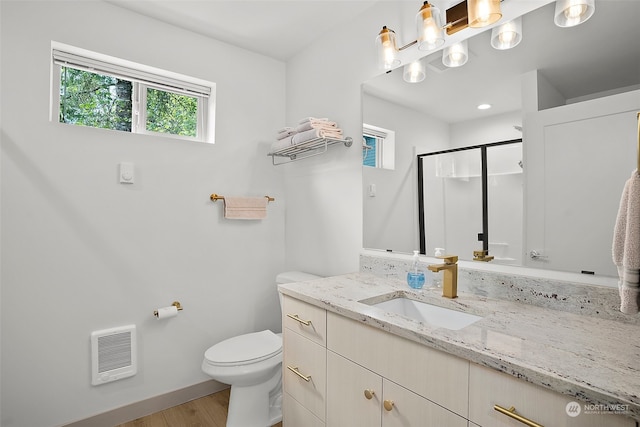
[388, 404]
[511, 412]
[297, 319]
[295, 370]
[368, 393]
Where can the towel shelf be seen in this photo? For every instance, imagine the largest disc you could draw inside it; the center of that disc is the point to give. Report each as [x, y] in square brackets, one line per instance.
[307, 149]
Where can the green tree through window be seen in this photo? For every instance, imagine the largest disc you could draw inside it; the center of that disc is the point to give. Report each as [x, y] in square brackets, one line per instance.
[90, 99]
[103, 101]
[169, 112]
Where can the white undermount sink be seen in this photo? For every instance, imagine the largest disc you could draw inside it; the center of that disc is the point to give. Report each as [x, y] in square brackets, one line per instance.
[426, 313]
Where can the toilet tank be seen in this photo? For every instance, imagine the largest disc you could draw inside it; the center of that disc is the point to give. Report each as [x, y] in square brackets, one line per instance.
[291, 277]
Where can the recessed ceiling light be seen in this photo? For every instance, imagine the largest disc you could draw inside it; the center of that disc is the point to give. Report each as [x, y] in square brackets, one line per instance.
[484, 106]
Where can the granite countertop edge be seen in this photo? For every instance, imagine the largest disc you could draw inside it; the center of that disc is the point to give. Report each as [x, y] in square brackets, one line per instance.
[593, 360]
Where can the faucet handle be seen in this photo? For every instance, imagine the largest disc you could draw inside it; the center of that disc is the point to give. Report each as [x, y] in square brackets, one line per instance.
[449, 259]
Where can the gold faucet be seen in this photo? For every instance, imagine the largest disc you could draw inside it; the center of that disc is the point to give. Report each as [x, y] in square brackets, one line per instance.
[450, 272]
[482, 256]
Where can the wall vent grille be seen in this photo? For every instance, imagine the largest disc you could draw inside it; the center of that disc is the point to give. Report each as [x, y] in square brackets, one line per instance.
[113, 354]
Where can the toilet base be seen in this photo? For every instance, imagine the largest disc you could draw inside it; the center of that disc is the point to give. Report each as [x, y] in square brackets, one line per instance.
[256, 406]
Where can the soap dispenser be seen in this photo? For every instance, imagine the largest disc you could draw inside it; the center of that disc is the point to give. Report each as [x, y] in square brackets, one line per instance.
[415, 277]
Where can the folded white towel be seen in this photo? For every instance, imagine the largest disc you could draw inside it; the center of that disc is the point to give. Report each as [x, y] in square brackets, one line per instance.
[626, 245]
[245, 207]
[285, 132]
[281, 143]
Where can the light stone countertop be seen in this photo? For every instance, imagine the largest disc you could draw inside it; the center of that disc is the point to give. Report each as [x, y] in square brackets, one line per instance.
[594, 360]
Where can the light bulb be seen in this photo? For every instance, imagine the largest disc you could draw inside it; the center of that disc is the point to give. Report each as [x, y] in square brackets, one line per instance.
[455, 55]
[483, 12]
[430, 34]
[573, 12]
[414, 72]
[508, 35]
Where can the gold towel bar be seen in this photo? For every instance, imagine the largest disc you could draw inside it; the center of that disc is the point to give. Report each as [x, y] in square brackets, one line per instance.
[215, 197]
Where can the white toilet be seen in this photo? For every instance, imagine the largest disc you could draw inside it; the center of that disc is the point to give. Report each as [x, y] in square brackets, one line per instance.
[252, 365]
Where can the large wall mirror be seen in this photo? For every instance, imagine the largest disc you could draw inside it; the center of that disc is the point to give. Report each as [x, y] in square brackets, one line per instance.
[570, 94]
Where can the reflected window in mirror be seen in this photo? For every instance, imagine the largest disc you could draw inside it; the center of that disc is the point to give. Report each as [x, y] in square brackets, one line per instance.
[378, 147]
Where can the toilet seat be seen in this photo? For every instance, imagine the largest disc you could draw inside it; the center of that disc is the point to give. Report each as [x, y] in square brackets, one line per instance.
[244, 349]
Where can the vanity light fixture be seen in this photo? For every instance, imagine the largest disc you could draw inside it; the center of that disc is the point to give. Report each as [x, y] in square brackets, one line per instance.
[455, 55]
[429, 27]
[570, 13]
[483, 12]
[430, 31]
[507, 35]
[414, 72]
[387, 49]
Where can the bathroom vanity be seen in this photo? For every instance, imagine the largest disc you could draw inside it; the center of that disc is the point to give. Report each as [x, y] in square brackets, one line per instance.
[350, 358]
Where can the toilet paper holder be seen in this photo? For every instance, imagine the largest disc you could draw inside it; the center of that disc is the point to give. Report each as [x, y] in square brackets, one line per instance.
[175, 304]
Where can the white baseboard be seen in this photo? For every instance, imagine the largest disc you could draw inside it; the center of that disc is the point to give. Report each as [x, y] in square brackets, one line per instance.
[149, 406]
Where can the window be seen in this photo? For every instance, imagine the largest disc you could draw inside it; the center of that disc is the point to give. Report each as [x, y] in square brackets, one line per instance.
[378, 149]
[90, 89]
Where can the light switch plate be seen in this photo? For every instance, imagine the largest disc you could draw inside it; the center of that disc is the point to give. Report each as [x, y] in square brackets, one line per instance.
[126, 173]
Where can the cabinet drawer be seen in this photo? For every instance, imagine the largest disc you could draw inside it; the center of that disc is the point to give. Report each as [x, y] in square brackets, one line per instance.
[432, 374]
[488, 388]
[296, 415]
[306, 319]
[304, 370]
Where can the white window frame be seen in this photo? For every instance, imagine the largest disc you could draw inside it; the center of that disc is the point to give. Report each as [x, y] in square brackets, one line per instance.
[385, 145]
[142, 77]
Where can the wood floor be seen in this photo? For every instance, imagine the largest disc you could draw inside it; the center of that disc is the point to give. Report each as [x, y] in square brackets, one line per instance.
[208, 411]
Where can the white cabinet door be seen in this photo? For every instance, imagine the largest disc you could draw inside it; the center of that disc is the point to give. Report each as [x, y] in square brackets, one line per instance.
[354, 394]
[403, 408]
[433, 374]
[488, 388]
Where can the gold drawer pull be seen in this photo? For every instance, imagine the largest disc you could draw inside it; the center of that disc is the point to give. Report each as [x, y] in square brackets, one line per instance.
[511, 412]
[368, 393]
[297, 319]
[388, 405]
[295, 370]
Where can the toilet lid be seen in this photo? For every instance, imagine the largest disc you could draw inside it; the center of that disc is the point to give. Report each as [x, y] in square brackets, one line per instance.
[244, 349]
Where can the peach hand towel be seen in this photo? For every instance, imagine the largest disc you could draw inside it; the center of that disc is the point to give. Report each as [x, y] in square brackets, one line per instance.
[626, 246]
[245, 207]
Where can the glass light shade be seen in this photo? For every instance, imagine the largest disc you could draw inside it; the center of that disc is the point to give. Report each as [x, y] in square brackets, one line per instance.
[483, 12]
[414, 72]
[429, 27]
[455, 55]
[573, 12]
[507, 35]
[387, 49]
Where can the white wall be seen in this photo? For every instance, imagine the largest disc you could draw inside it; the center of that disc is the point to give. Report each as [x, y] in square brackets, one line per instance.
[324, 194]
[81, 252]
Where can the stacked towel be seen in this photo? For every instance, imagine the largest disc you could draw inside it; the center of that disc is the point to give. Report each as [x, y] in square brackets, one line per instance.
[308, 128]
[285, 132]
[626, 246]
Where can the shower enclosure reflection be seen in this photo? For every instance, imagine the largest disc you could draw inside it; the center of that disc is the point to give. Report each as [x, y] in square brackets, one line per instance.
[470, 199]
